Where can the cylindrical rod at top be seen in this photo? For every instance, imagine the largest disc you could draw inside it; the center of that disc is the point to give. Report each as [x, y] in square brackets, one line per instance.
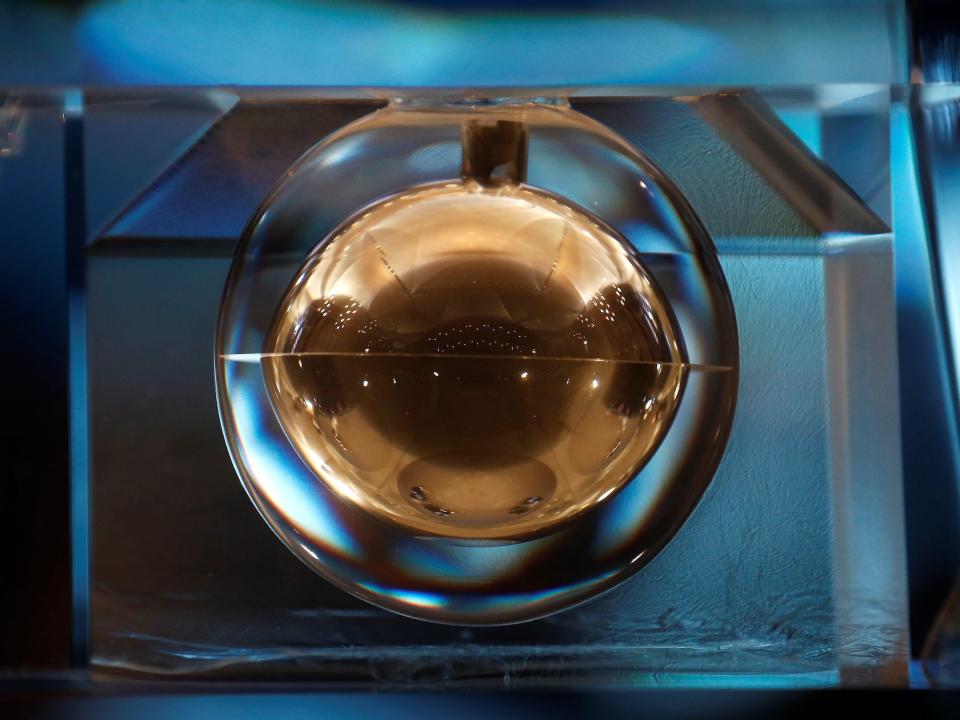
[494, 151]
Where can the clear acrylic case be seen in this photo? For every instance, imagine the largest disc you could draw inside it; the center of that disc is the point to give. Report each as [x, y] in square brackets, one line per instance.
[790, 570]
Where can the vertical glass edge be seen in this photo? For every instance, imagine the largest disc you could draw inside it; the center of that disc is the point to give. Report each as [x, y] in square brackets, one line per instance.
[75, 243]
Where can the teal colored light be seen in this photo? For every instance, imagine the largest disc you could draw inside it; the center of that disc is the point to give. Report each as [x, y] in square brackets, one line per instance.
[407, 597]
[821, 679]
[363, 43]
[279, 466]
[291, 42]
[912, 251]
[805, 124]
[79, 448]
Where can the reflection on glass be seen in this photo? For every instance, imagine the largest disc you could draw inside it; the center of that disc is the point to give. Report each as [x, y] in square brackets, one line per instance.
[474, 362]
[495, 389]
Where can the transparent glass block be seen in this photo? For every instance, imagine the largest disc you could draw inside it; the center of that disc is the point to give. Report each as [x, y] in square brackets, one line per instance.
[477, 360]
[790, 569]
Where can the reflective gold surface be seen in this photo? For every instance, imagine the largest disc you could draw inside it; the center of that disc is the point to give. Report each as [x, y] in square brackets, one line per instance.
[474, 362]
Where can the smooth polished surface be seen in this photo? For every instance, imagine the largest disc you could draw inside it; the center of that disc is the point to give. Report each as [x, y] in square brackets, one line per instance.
[188, 582]
[481, 487]
[474, 362]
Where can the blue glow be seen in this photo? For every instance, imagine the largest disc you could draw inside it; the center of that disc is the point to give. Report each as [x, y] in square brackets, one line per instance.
[913, 255]
[79, 472]
[823, 678]
[482, 602]
[462, 564]
[79, 448]
[281, 473]
[364, 43]
[805, 124]
[407, 597]
[332, 42]
[73, 102]
[546, 595]
[930, 432]
[942, 123]
[639, 497]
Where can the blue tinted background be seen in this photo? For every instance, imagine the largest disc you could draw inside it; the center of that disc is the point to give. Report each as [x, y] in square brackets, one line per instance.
[314, 42]
[432, 42]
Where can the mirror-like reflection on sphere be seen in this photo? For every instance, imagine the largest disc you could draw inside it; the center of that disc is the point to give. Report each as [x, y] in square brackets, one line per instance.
[474, 362]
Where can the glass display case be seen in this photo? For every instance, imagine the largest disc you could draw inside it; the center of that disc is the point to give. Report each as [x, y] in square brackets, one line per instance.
[505, 367]
[774, 271]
